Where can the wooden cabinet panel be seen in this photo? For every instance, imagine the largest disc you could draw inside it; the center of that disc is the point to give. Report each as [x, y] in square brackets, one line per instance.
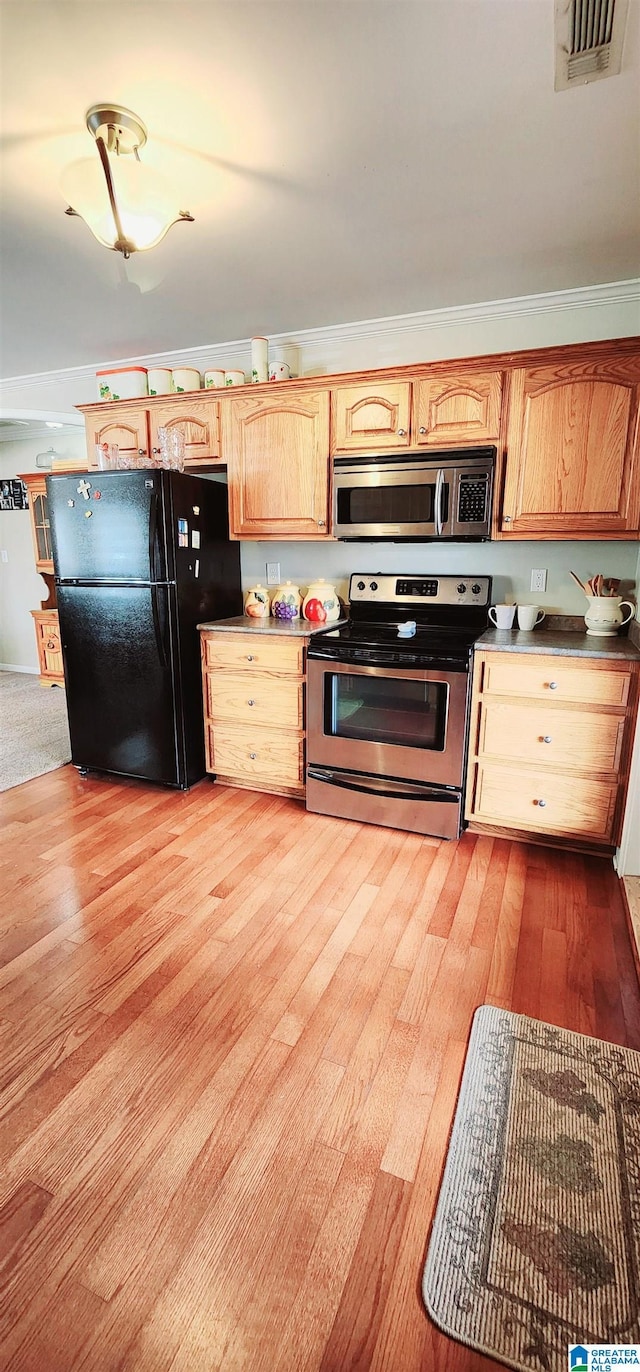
[199, 421]
[257, 755]
[125, 426]
[458, 409]
[244, 698]
[550, 737]
[544, 801]
[572, 462]
[277, 450]
[49, 646]
[251, 652]
[371, 417]
[39, 516]
[552, 678]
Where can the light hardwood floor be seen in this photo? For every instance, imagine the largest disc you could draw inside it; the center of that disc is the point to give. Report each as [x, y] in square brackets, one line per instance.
[232, 1037]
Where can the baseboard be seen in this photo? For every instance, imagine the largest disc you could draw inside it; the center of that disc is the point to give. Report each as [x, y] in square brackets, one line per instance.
[631, 901]
[13, 667]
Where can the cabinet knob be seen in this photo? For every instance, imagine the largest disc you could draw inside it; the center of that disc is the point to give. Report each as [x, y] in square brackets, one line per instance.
[51, 646]
[546, 739]
[402, 433]
[155, 450]
[541, 803]
[251, 702]
[322, 523]
[506, 519]
[249, 657]
[253, 756]
[142, 452]
[422, 429]
[553, 685]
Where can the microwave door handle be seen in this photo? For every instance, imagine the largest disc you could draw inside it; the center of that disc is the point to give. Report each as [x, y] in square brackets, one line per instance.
[438, 501]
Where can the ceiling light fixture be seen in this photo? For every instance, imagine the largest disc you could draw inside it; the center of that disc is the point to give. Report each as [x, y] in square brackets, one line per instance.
[128, 206]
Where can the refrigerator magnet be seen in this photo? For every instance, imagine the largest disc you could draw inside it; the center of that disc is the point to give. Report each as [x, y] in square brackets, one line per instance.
[195, 538]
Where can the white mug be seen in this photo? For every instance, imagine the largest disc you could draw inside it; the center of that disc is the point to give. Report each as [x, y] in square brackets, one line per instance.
[529, 616]
[504, 616]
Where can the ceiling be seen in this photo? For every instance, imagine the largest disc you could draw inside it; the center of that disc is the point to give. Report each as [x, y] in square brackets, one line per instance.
[344, 160]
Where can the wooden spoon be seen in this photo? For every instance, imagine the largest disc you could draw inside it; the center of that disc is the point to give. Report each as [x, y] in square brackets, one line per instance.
[578, 582]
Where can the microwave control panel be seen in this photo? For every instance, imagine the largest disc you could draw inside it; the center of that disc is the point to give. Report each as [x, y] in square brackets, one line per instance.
[473, 499]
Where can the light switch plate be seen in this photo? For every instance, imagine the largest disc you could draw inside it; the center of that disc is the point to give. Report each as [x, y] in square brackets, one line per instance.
[4, 555]
[273, 573]
[538, 578]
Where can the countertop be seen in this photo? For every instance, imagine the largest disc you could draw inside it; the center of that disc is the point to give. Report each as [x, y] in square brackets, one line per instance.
[286, 628]
[559, 643]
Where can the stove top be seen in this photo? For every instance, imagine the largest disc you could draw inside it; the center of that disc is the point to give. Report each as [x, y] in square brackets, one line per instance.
[409, 620]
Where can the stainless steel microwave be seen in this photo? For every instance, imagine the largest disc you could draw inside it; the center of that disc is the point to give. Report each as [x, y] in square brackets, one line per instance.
[414, 495]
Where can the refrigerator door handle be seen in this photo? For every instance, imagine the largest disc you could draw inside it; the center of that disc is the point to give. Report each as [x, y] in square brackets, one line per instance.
[153, 534]
[162, 651]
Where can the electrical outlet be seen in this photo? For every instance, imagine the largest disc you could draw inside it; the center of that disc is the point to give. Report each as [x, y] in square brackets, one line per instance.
[273, 573]
[538, 578]
[4, 555]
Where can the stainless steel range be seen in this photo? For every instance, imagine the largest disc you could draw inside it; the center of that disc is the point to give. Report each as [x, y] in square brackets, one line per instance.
[388, 702]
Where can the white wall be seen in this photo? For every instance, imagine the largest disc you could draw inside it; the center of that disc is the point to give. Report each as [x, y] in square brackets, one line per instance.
[21, 589]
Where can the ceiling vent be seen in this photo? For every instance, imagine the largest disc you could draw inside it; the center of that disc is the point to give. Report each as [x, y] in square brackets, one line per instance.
[589, 39]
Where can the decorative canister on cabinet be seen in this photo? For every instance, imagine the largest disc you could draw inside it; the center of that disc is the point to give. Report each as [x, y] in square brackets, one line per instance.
[321, 603]
[159, 379]
[214, 379]
[257, 603]
[122, 383]
[259, 359]
[286, 602]
[185, 379]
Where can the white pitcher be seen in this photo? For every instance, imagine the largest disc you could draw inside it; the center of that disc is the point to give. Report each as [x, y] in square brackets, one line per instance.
[604, 616]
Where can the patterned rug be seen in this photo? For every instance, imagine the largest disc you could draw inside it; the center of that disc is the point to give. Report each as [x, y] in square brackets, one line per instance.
[536, 1238]
[34, 734]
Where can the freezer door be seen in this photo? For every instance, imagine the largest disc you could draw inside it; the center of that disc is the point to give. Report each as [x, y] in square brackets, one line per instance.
[108, 526]
[118, 647]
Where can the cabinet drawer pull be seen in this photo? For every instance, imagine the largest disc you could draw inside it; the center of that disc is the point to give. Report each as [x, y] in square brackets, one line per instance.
[253, 756]
[249, 657]
[422, 429]
[553, 685]
[506, 519]
[546, 739]
[402, 433]
[251, 702]
[541, 803]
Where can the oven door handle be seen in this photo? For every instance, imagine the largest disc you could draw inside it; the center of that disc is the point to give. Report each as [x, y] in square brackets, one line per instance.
[437, 511]
[401, 792]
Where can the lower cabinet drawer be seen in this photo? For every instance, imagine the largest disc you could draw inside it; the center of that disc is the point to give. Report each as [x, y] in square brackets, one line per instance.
[257, 754]
[581, 739]
[253, 652]
[553, 678]
[546, 801]
[243, 698]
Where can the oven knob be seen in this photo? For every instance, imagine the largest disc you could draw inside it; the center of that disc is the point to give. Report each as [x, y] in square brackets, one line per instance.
[361, 585]
[373, 586]
[461, 588]
[476, 588]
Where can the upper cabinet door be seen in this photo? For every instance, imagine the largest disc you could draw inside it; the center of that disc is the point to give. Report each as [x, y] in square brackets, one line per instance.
[572, 459]
[200, 422]
[457, 409]
[371, 418]
[115, 424]
[277, 450]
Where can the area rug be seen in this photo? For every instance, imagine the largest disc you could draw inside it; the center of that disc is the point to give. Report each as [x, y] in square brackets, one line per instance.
[34, 734]
[536, 1239]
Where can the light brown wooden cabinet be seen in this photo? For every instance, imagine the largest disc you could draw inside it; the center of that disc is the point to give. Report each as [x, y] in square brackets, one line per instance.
[253, 689]
[572, 467]
[128, 426]
[49, 647]
[36, 485]
[199, 420]
[550, 743]
[276, 447]
[457, 409]
[372, 417]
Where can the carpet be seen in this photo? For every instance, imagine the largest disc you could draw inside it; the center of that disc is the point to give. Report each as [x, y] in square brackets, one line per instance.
[536, 1239]
[34, 734]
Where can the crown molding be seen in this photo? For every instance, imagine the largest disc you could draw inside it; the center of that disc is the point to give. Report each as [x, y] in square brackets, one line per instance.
[319, 341]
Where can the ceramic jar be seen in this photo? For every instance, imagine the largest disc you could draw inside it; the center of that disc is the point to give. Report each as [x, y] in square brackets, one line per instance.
[185, 379]
[159, 381]
[234, 378]
[214, 379]
[257, 603]
[286, 602]
[604, 616]
[122, 383]
[321, 603]
[259, 360]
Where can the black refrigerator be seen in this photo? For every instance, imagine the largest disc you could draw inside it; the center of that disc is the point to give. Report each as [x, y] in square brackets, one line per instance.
[140, 558]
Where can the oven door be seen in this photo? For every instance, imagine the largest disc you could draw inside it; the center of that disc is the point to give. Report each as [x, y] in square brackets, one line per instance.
[391, 500]
[388, 722]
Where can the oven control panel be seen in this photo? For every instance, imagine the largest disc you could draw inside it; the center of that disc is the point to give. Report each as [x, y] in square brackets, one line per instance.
[383, 588]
